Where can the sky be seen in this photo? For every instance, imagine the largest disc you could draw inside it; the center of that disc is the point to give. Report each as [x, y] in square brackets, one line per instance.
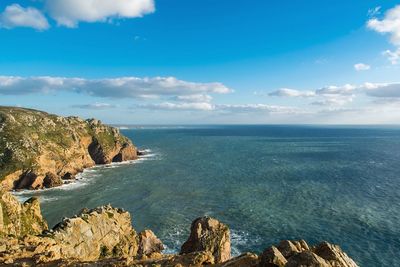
[204, 61]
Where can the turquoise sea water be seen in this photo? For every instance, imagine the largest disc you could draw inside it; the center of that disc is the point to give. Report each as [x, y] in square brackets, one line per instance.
[268, 183]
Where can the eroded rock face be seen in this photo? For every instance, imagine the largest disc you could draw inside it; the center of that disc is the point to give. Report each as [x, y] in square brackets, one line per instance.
[103, 232]
[38, 149]
[20, 219]
[126, 153]
[149, 244]
[334, 255]
[307, 259]
[299, 254]
[246, 259]
[272, 257]
[208, 234]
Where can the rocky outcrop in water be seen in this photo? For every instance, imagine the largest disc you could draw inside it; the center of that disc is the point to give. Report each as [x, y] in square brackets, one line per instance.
[41, 150]
[105, 237]
[208, 234]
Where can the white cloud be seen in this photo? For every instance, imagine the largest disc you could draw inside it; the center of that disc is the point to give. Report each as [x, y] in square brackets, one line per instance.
[346, 89]
[286, 92]
[124, 87]
[18, 16]
[231, 108]
[361, 67]
[337, 96]
[70, 12]
[194, 98]
[249, 108]
[333, 101]
[390, 24]
[392, 56]
[178, 106]
[95, 106]
[382, 90]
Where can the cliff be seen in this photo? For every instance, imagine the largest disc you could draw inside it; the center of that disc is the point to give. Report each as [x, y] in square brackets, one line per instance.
[105, 237]
[39, 150]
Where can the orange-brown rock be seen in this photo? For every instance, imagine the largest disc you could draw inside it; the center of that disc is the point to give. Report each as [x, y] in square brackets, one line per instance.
[38, 149]
[149, 244]
[208, 234]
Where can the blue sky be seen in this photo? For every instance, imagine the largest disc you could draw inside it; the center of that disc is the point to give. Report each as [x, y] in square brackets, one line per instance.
[204, 61]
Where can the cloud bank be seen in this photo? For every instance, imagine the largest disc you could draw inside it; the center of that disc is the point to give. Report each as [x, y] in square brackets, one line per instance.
[341, 95]
[124, 87]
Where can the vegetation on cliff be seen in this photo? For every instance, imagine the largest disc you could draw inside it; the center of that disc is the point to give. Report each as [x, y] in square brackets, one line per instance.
[39, 150]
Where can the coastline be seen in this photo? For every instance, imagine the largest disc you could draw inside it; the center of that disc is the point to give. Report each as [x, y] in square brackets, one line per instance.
[81, 178]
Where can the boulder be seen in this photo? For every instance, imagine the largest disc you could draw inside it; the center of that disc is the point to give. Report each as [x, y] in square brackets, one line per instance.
[149, 244]
[272, 257]
[103, 232]
[208, 234]
[246, 259]
[334, 255]
[307, 259]
[52, 180]
[288, 248]
[127, 152]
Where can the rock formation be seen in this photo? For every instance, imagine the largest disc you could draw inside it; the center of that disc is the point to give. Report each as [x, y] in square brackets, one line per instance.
[40, 150]
[298, 253]
[104, 236]
[208, 234]
[20, 219]
[149, 244]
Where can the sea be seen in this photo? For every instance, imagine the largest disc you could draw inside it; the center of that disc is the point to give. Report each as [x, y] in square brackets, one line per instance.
[340, 184]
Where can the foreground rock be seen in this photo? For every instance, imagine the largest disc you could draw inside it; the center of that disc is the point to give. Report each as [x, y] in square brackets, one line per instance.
[99, 233]
[208, 234]
[298, 253]
[105, 237]
[40, 150]
[20, 219]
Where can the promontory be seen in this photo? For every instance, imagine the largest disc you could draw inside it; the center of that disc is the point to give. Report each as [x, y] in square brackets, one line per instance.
[41, 150]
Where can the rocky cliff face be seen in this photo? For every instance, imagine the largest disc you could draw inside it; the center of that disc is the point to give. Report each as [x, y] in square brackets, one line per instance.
[40, 150]
[104, 237]
[20, 219]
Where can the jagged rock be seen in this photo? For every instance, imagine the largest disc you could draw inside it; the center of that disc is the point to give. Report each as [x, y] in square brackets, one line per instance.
[287, 248]
[149, 244]
[52, 180]
[208, 234]
[38, 149]
[307, 259]
[246, 259]
[126, 153]
[272, 257]
[103, 232]
[20, 219]
[193, 259]
[104, 237]
[334, 255]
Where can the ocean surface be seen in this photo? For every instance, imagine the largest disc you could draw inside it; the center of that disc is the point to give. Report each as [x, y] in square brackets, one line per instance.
[268, 183]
